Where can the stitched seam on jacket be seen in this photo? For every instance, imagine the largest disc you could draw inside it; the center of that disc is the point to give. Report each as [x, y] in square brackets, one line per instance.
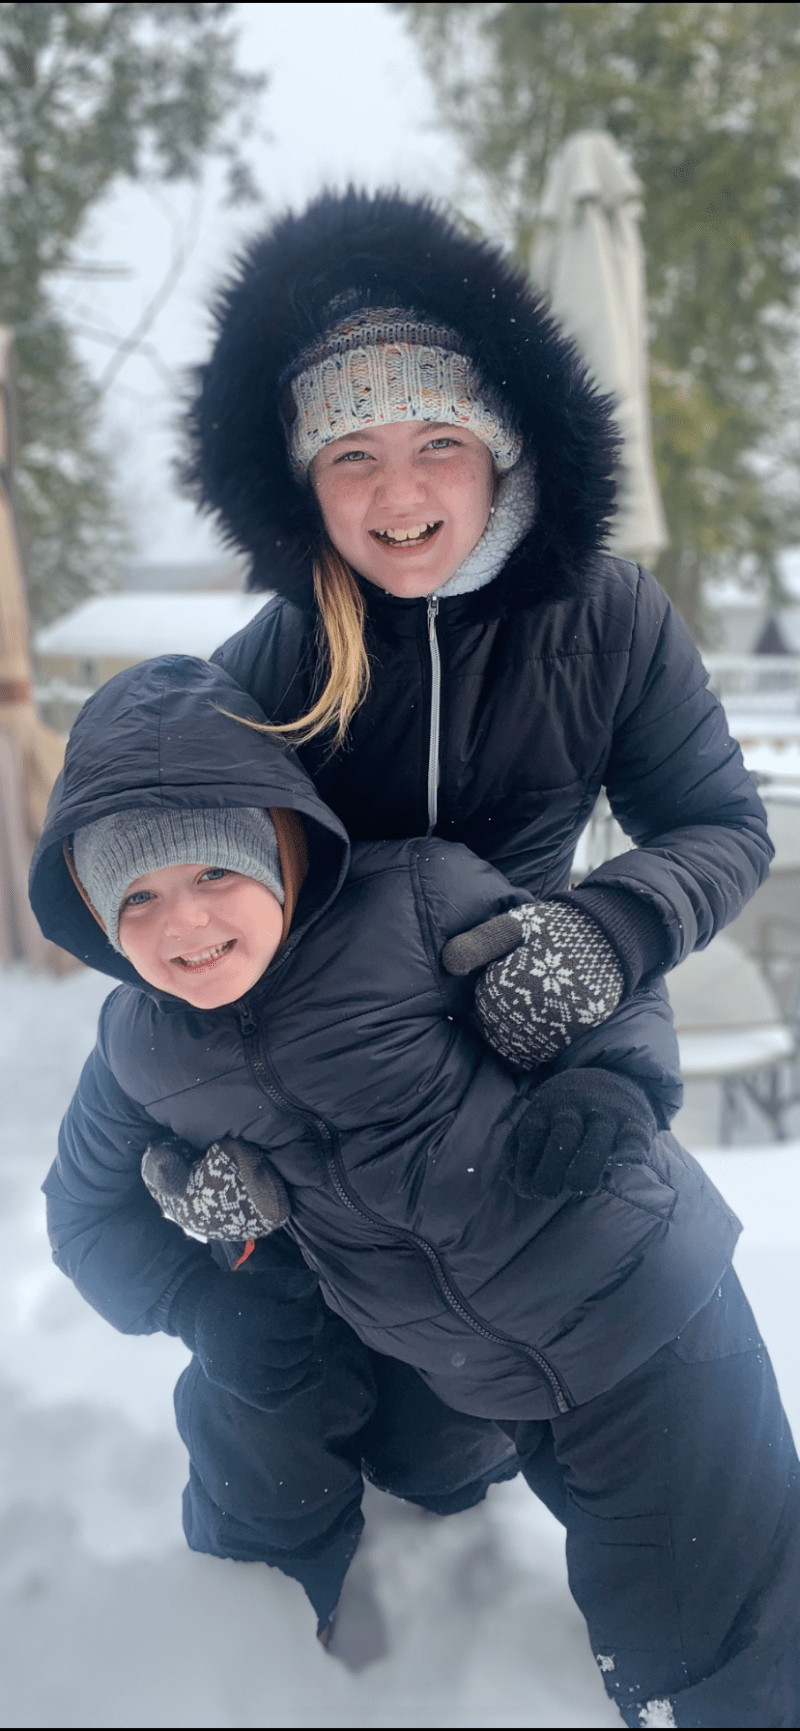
[425, 925]
[191, 1088]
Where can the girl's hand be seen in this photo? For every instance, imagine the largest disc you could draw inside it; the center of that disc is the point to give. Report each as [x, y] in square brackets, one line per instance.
[552, 974]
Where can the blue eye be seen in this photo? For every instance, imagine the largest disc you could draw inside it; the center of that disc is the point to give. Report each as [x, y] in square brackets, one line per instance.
[441, 444]
[352, 457]
[214, 873]
[138, 899]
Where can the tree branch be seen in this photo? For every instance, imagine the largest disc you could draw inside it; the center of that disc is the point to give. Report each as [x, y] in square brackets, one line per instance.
[182, 249]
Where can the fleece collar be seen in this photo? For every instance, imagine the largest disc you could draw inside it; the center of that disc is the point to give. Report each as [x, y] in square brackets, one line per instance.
[512, 516]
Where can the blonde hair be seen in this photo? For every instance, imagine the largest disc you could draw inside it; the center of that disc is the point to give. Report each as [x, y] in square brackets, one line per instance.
[341, 611]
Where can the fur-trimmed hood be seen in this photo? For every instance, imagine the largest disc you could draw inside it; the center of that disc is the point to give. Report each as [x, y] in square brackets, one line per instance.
[396, 251]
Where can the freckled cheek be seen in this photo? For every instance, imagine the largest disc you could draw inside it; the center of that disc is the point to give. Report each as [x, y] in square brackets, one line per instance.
[476, 478]
[343, 517]
[343, 499]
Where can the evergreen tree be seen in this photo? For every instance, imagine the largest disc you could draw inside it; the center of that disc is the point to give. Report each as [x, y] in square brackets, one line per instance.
[704, 97]
[90, 94]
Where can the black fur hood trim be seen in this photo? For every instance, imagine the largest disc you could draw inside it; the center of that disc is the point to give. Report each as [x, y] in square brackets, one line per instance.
[402, 252]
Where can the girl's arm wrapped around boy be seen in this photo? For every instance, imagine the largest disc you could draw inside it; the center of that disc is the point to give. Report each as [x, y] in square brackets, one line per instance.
[606, 1063]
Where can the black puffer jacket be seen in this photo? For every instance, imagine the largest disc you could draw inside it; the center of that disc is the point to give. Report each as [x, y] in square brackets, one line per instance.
[493, 718]
[352, 1063]
[539, 710]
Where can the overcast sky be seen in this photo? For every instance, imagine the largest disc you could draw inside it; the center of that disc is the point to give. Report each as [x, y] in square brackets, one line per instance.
[347, 99]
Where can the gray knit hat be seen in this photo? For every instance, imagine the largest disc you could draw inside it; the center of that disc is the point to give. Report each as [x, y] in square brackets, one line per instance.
[109, 854]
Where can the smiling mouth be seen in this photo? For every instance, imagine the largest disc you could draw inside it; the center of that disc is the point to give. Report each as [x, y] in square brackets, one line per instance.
[194, 964]
[415, 536]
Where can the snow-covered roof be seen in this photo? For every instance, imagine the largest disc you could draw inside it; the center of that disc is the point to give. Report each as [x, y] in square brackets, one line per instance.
[130, 626]
[729, 593]
[138, 575]
[789, 625]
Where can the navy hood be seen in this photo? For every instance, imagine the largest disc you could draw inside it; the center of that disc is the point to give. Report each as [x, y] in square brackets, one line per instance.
[165, 734]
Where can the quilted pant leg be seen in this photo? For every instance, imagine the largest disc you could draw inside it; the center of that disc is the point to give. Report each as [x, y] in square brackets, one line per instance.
[285, 1487]
[680, 1491]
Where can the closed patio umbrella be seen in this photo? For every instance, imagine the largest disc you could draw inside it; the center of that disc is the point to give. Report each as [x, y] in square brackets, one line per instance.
[31, 754]
[588, 260]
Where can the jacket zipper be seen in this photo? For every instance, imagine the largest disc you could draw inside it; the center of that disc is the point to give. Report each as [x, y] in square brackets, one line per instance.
[261, 1076]
[436, 711]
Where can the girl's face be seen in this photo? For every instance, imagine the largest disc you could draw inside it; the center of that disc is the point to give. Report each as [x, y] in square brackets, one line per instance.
[200, 932]
[404, 504]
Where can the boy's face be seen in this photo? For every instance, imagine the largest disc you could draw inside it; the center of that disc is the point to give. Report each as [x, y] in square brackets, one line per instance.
[200, 932]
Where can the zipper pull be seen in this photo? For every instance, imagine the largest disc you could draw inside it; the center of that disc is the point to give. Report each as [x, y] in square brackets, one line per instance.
[247, 1022]
[433, 608]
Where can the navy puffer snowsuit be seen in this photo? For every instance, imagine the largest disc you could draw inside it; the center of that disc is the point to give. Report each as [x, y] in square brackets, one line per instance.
[353, 1064]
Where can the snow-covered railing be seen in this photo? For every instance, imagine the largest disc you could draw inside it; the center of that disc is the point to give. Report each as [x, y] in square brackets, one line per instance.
[602, 839]
[58, 690]
[754, 675]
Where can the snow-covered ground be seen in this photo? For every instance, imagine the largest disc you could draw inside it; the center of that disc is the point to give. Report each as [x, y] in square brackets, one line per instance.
[108, 1620]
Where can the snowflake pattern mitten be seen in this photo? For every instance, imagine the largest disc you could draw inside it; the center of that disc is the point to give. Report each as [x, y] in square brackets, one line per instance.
[231, 1192]
[562, 978]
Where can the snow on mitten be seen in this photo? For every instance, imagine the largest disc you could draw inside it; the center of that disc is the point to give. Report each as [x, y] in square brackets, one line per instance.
[231, 1192]
[561, 977]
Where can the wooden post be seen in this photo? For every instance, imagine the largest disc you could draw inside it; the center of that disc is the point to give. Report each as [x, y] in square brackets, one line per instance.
[31, 754]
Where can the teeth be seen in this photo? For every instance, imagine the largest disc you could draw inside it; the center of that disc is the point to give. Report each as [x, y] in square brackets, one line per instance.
[412, 534]
[207, 956]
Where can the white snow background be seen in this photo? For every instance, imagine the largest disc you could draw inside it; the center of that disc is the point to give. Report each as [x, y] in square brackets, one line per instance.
[107, 1619]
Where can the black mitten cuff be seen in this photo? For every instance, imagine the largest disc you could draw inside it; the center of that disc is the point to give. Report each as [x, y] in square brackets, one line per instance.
[630, 923]
[182, 1318]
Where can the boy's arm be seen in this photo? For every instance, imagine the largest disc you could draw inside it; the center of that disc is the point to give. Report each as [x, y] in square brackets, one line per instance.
[254, 1332]
[106, 1232]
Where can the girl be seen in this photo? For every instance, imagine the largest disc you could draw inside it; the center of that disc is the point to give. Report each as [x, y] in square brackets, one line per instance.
[416, 464]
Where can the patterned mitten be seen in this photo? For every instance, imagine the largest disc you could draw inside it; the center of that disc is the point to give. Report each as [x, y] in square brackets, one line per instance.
[562, 976]
[231, 1192]
[575, 1125]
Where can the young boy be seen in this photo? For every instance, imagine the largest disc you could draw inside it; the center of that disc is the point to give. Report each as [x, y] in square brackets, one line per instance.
[533, 1248]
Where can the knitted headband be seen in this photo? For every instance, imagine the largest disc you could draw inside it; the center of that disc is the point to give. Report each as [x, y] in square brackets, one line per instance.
[384, 364]
[109, 854]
